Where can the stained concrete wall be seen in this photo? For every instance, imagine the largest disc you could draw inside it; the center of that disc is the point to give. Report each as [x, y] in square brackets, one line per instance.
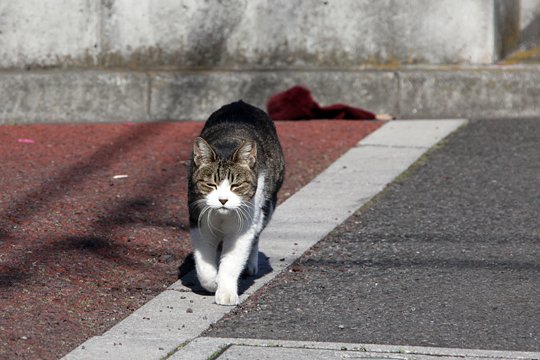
[529, 12]
[251, 33]
[116, 96]
[58, 33]
[530, 24]
[147, 60]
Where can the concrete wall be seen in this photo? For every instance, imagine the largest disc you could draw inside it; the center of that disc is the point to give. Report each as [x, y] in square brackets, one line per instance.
[117, 96]
[147, 60]
[529, 12]
[36, 33]
[530, 24]
[250, 33]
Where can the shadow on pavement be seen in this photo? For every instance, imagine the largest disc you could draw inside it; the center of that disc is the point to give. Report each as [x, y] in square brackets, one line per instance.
[188, 276]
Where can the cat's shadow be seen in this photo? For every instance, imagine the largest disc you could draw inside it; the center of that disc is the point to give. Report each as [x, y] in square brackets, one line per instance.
[188, 276]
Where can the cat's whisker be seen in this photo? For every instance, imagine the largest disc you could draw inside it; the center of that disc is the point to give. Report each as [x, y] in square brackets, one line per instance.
[248, 210]
[247, 204]
[238, 215]
[199, 219]
[206, 211]
[243, 215]
[247, 213]
[211, 226]
[198, 203]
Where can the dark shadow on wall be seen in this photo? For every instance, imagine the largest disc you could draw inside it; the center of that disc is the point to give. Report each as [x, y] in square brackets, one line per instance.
[530, 35]
[208, 75]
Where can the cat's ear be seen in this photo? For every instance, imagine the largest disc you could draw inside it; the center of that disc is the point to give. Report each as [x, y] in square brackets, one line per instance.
[246, 154]
[202, 152]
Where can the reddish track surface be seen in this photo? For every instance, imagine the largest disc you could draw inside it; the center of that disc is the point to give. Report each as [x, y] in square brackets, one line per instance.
[79, 250]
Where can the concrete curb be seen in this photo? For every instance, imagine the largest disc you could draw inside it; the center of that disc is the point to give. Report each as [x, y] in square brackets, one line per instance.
[178, 315]
[407, 92]
[204, 348]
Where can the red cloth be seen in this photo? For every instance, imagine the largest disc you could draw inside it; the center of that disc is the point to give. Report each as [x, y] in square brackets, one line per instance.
[298, 104]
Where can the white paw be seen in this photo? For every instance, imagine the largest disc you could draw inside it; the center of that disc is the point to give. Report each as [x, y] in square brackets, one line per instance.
[226, 297]
[208, 283]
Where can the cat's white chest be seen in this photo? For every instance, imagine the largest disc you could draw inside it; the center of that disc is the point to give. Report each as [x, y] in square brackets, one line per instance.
[227, 223]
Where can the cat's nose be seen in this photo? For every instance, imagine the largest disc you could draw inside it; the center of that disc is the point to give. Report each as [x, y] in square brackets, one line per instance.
[223, 201]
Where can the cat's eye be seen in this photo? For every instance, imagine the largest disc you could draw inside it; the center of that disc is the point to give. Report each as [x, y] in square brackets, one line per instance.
[237, 186]
[211, 185]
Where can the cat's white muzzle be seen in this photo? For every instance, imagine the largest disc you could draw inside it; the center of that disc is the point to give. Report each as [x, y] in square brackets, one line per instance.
[223, 199]
[224, 210]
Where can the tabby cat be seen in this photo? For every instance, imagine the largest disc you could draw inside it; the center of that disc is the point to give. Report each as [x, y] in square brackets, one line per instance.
[236, 170]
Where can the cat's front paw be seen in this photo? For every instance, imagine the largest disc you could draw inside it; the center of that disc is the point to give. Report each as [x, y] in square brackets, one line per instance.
[226, 297]
[209, 284]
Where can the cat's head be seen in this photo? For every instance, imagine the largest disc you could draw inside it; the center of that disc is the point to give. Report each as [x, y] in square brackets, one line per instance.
[224, 183]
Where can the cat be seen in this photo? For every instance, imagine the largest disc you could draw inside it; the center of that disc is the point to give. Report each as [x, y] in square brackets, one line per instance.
[237, 168]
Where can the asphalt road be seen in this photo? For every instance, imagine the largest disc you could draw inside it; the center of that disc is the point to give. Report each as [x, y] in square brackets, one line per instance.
[448, 255]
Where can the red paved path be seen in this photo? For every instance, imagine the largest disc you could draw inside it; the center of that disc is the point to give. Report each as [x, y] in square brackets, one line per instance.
[80, 250]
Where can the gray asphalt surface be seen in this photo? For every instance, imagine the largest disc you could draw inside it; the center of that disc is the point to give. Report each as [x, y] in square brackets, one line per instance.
[448, 255]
